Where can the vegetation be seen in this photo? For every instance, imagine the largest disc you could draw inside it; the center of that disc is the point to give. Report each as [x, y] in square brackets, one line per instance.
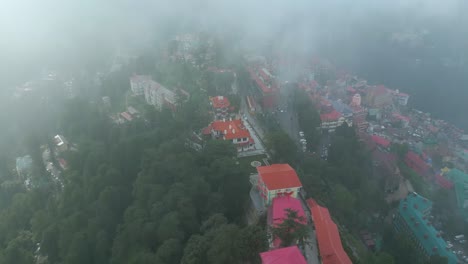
[134, 194]
[293, 229]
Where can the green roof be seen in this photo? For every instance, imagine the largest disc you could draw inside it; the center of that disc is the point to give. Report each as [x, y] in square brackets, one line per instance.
[463, 154]
[460, 181]
[415, 210]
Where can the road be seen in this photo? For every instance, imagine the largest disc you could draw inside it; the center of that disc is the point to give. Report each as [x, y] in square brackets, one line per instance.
[287, 117]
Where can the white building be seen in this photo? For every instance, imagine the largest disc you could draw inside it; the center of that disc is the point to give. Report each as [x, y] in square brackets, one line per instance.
[138, 83]
[158, 95]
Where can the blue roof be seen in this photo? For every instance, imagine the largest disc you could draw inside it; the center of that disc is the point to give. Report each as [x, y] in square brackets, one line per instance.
[415, 210]
[460, 181]
[342, 108]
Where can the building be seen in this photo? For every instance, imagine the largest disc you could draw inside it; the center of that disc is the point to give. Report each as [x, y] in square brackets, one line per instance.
[221, 106]
[160, 96]
[403, 120]
[138, 83]
[287, 255]
[328, 238]
[231, 130]
[413, 218]
[24, 166]
[278, 212]
[460, 182]
[379, 96]
[331, 120]
[380, 141]
[356, 100]
[277, 180]
[401, 98]
[345, 111]
[61, 143]
[266, 87]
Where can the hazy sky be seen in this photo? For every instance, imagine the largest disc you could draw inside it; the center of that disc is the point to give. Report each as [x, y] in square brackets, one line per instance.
[33, 31]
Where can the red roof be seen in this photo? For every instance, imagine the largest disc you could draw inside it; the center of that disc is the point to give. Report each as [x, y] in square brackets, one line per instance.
[278, 212]
[332, 116]
[279, 176]
[126, 116]
[416, 163]
[443, 182]
[380, 141]
[287, 255]
[401, 117]
[279, 206]
[259, 82]
[328, 238]
[231, 129]
[220, 102]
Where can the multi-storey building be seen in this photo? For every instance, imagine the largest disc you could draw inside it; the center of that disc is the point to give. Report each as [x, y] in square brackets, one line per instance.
[277, 180]
[138, 83]
[413, 218]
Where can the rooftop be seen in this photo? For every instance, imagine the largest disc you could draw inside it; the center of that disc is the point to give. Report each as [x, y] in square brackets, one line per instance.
[279, 176]
[231, 129]
[380, 141]
[279, 206]
[415, 210]
[287, 255]
[460, 181]
[328, 238]
[332, 116]
[220, 101]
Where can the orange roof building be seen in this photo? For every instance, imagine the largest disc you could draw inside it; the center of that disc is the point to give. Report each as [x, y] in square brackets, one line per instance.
[221, 106]
[328, 238]
[232, 130]
[277, 180]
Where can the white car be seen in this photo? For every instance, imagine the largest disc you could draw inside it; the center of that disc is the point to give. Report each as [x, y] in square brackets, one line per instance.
[301, 133]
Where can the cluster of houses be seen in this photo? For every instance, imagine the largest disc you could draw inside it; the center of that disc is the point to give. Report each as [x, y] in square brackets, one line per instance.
[381, 118]
[277, 190]
[227, 125]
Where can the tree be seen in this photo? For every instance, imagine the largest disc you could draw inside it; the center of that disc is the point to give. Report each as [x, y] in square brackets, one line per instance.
[195, 250]
[293, 228]
[225, 245]
[19, 250]
[253, 240]
[283, 148]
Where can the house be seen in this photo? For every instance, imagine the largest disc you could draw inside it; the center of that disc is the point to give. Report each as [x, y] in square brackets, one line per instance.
[221, 106]
[61, 143]
[277, 213]
[138, 83]
[287, 255]
[460, 182]
[328, 238]
[231, 130]
[24, 166]
[126, 116]
[266, 87]
[414, 218]
[277, 180]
